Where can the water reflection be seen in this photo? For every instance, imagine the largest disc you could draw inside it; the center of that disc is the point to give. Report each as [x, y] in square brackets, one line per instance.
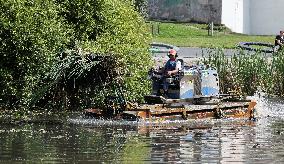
[194, 141]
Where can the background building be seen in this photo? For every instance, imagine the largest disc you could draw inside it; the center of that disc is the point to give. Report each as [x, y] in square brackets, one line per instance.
[186, 10]
[256, 17]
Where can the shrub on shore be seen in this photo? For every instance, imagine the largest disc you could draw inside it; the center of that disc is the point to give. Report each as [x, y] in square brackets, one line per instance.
[33, 33]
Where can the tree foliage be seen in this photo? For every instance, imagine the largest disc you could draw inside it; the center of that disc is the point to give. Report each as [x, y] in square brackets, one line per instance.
[31, 32]
[45, 47]
[141, 6]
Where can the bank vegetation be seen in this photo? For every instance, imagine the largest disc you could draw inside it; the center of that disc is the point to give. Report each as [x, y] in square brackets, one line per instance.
[70, 54]
[247, 73]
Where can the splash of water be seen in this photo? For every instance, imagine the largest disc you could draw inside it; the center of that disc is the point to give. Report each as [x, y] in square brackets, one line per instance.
[268, 107]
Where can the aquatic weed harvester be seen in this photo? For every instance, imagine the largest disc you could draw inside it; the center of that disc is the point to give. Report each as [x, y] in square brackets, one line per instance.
[193, 93]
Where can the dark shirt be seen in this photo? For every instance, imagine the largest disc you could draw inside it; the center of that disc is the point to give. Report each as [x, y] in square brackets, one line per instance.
[281, 39]
[170, 65]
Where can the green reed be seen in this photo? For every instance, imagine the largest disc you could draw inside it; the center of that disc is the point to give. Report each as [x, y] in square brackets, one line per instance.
[247, 72]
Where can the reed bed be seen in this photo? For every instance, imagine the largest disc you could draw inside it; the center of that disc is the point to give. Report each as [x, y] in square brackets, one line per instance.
[245, 72]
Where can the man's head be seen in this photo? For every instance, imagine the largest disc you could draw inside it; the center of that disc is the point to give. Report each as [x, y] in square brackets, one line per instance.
[281, 32]
[172, 53]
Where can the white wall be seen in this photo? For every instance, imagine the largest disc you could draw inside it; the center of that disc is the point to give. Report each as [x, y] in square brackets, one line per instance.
[255, 17]
[233, 15]
[247, 17]
[266, 17]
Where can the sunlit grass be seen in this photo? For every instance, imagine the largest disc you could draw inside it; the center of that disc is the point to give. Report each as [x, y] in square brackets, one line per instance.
[196, 35]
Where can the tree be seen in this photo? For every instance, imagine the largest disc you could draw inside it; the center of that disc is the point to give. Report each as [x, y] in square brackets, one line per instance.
[103, 26]
[141, 6]
[34, 35]
[31, 32]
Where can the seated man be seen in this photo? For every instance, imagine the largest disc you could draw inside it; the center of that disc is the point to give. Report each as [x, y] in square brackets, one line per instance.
[279, 41]
[172, 67]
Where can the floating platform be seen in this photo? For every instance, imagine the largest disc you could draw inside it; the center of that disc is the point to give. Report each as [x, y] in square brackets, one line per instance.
[159, 107]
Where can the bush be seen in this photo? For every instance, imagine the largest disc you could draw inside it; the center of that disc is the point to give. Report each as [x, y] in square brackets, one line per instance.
[125, 36]
[30, 34]
[33, 34]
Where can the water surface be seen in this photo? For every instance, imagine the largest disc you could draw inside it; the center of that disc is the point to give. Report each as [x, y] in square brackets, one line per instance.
[80, 140]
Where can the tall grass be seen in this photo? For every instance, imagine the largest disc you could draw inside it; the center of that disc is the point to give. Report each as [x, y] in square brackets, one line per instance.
[248, 72]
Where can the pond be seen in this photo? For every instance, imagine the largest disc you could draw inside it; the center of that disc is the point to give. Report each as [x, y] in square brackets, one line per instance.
[79, 140]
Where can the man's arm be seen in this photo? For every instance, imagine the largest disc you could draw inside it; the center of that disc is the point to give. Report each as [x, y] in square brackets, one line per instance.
[279, 42]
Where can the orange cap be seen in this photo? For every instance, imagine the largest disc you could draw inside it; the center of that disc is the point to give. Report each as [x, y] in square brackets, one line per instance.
[172, 52]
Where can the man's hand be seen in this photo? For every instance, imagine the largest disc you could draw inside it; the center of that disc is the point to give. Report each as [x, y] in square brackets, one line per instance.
[169, 73]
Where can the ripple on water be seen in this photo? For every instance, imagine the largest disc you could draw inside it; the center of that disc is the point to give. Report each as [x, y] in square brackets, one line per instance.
[192, 141]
